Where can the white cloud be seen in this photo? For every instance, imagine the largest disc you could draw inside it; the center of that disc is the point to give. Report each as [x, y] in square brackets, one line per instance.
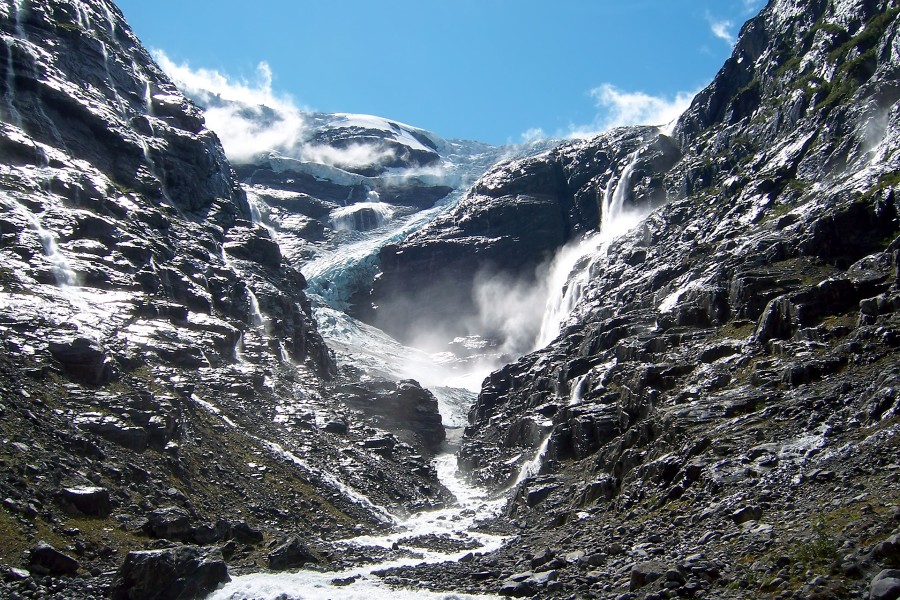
[532, 135]
[721, 28]
[248, 117]
[751, 6]
[619, 108]
[352, 156]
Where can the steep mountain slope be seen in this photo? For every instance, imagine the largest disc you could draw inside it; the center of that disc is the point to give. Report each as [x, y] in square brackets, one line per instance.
[717, 416]
[161, 372]
[723, 399]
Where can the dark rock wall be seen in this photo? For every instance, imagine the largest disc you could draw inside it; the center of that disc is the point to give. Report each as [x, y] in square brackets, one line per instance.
[155, 347]
[511, 222]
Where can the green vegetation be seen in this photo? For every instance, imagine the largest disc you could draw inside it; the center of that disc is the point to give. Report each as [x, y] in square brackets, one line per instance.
[66, 25]
[821, 549]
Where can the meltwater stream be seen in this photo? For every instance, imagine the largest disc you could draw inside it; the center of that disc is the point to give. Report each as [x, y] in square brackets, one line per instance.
[456, 522]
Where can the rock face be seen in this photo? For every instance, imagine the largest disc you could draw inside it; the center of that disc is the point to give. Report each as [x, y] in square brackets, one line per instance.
[758, 277]
[512, 221]
[726, 386]
[161, 374]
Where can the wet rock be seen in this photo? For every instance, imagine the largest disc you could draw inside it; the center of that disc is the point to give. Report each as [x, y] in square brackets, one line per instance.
[181, 573]
[290, 555]
[44, 559]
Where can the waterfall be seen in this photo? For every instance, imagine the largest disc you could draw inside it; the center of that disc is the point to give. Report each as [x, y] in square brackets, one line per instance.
[576, 389]
[238, 347]
[570, 271]
[533, 466]
[63, 273]
[256, 317]
[13, 115]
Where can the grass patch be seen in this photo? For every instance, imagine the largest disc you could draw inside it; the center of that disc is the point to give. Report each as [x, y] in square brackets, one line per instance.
[821, 549]
[14, 539]
[886, 181]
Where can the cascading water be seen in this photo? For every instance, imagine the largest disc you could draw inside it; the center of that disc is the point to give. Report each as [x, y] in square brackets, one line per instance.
[569, 273]
[256, 317]
[62, 271]
[576, 389]
[533, 466]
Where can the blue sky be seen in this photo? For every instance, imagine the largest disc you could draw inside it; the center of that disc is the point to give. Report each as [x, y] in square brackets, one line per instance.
[497, 71]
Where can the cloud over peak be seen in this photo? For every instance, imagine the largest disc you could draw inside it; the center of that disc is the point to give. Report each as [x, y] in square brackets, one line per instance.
[721, 28]
[248, 117]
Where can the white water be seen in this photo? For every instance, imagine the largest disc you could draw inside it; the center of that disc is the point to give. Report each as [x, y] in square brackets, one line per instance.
[570, 271]
[576, 389]
[455, 522]
[62, 271]
[332, 276]
[256, 317]
[533, 466]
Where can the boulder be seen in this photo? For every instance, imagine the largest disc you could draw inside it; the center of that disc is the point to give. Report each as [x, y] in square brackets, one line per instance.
[180, 573]
[171, 523]
[83, 359]
[44, 559]
[647, 572]
[885, 585]
[746, 513]
[90, 500]
[245, 534]
[290, 555]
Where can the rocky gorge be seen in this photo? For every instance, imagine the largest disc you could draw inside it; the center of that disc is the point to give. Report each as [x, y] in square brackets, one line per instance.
[707, 406]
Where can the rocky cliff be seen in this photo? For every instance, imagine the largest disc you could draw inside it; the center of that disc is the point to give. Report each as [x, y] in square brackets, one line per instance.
[719, 414]
[161, 374]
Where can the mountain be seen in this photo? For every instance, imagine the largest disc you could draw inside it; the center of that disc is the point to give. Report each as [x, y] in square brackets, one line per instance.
[684, 339]
[162, 375]
[718, 414]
